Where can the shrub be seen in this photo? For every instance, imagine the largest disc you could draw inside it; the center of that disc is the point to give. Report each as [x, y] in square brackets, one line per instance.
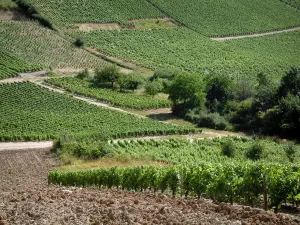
[228, 148]
[290, 150]
[108, 74]
[78, 43]
[83, 74]
[154, 87]
[212, 120]
[255, 152]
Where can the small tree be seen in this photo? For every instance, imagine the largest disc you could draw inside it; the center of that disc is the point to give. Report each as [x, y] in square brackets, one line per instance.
[130, 81]
[186, 93]
[154, 87]
[108, 74]
[83, 74]
[78, 43]
[290, 150]
[290, 83]
[228, 148]
[255, 151]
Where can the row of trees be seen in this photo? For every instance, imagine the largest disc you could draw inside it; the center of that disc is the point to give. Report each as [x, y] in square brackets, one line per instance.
[222, 102]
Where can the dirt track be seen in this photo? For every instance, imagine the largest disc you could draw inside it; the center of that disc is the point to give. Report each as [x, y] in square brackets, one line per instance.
[25, 145]
[255, 35]
[25, 198]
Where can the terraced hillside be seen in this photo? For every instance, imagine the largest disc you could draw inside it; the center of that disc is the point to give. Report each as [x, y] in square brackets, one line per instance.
[10, 66]
[30, 112]
[224, 18]
[40, 46]
[189, 51]
[68, 13]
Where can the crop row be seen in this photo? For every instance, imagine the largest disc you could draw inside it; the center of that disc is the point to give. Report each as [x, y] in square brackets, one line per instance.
[230, 17]
[37, 45]
[245, 182]
[10, 66]
[67, 12]
[187, 50]
[28, 112]
[113, 97]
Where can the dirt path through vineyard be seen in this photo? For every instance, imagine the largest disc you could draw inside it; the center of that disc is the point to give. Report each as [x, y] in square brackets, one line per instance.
[255, 35]
[25, 198]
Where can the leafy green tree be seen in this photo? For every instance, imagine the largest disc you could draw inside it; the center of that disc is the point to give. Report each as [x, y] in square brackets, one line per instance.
[83, 74]
[154, 87]
[186, 93]
[219, 89]
[130, 81]
[290, 83]
[108, 74]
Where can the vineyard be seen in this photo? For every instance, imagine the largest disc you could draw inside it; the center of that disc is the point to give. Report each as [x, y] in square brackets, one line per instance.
[10, 66]
[68, 13]
[7, 4]
[186, 50]
[226, 18]
[292, 3]
[113, 97]
[36, 45]
[30, 112]
[239, 182]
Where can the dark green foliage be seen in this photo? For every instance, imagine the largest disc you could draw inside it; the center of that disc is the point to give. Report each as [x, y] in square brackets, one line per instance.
[108, 74]
[290, 150]
[165, 73]
[79, 43]
[186, 93]
[130, 81]
[212, 120]
[154, 87]
[219, 89]
[290, 83]
[83, 74]
[228, 148]
[255, 152]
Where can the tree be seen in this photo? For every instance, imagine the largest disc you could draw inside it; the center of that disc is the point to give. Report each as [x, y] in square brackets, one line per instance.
[108, 74]
[154, 87]
[130, 81]
[219, 89]
[186, 92]
[83, 74]
[290, 83]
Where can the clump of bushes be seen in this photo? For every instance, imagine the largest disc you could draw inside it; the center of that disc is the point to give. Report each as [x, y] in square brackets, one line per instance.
[255, 152]
[228, 148]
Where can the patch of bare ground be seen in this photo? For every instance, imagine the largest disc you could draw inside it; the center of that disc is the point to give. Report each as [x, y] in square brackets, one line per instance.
[97, 26]
[255, 35]
[132, 24]
[12, 15]
[25, 198]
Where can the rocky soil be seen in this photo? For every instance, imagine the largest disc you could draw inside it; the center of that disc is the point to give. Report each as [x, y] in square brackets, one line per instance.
[25, 198]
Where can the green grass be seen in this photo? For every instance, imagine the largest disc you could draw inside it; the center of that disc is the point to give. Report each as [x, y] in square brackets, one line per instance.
[68, 12]
[34, 44]
[230, 17]
[7, 4]
[110, 96]
[189, 51]
[11, 66]
[30, 112]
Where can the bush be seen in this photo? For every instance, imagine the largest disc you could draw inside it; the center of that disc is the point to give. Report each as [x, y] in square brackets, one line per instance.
[290, 150]
[130, 81]
[228, 148]
[255, 152]
[83, 74]
[154, 87]
[212, 120]
[78, 43]
[108, 74]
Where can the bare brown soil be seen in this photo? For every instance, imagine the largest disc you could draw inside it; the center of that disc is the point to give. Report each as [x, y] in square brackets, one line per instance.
[25, 198]
[12, 15]
[98, 26]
